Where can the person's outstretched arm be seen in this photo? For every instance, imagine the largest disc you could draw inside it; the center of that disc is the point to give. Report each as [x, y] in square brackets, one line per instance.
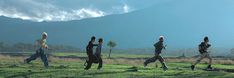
[164, 47]
[95, 44]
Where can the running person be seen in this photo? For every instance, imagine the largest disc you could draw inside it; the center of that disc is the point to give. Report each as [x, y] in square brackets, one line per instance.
[40, 52]
[203, 53]
[158, 49]
[89, 51]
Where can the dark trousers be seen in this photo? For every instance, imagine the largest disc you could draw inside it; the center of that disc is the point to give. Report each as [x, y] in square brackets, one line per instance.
[155, 58]
[99, 58]
[90, 61]
[39, 53]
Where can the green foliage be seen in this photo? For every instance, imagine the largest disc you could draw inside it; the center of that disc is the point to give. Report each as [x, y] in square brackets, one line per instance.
[111, 44]
[28, 47]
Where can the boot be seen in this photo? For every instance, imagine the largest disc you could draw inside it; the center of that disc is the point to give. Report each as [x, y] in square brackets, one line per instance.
[192, 67]
[209, 67]
[145, 64]
[164, 66]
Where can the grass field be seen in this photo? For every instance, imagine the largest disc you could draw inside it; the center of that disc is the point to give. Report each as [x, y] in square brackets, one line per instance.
[13, 67]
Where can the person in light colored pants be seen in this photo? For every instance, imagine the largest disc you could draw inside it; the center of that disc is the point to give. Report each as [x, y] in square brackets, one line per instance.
[203, 53]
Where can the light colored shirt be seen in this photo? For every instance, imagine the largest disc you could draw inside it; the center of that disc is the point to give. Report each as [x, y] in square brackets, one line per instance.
[41, 43]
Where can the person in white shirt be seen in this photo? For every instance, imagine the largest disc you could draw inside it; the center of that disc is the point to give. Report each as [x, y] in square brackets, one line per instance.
[41, 47]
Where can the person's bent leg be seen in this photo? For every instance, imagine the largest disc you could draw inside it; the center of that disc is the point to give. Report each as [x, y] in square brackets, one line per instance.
[162, 62]
[150, 60]
[210, 62]
[32, 57]
[100, 62]
[197, 61]
[90, 56]
[44, 59]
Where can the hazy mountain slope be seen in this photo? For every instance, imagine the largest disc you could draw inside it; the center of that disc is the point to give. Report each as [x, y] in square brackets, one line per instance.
[182, 22]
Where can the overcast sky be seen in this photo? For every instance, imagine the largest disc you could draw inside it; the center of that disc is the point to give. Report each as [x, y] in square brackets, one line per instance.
[66, 10]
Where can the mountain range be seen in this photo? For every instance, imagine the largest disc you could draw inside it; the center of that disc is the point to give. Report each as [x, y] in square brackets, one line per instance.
[184, 23]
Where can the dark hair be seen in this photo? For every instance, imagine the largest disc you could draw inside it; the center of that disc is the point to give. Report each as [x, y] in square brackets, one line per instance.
[93, 38]
[206, 39]
[100, 40]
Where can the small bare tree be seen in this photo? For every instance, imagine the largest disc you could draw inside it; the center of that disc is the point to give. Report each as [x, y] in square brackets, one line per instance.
[111, 44]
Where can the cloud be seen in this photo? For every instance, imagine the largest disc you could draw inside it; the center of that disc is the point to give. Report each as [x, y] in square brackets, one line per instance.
[46, 10]
[126, 8]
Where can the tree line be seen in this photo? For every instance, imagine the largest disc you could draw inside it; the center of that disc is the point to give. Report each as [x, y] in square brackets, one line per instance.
[28, 47]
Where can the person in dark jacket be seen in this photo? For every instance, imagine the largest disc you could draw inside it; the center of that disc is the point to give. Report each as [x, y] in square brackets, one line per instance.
[158, 49]
[89, 51]
[203, 53]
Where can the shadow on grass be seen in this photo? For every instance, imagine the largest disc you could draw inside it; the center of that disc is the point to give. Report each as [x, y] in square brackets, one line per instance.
[131, 69]
[26, 74]
[105, 73]
[219, 69]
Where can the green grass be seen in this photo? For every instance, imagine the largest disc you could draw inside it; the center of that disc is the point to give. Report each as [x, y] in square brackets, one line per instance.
[60, 68]
[105, 55]
[114, 55]
[36, 69]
